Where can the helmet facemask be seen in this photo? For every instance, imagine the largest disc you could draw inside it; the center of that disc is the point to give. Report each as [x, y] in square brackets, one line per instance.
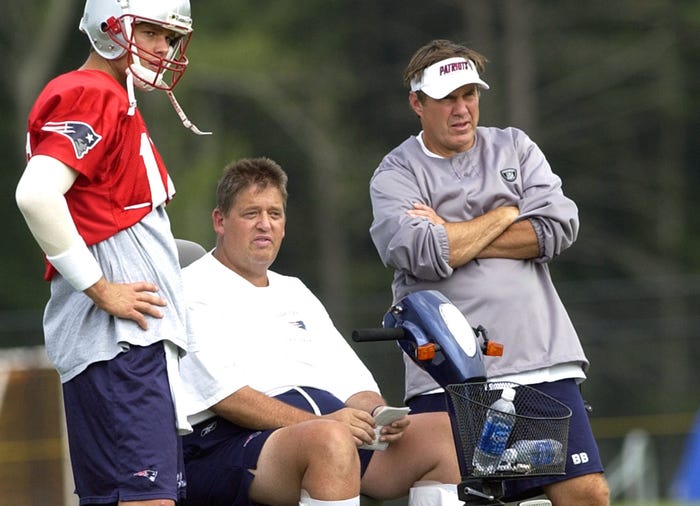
[150, 70]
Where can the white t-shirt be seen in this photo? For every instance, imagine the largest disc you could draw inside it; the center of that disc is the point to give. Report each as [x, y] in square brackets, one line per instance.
[268, 338]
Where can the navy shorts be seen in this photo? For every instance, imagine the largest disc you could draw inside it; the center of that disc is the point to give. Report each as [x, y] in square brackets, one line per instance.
[121, 430]
[219, 454]
[583, 457]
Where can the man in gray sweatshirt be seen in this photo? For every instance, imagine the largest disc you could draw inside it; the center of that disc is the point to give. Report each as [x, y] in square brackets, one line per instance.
[477, 213]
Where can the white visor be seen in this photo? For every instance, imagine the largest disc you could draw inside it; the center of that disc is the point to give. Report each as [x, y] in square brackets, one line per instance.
[443, 77]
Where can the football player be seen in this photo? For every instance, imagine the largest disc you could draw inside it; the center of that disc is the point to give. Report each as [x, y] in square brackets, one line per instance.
[93, 194]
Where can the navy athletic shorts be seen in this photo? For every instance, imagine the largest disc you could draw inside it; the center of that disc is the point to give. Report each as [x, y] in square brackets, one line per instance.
[583, 457]
[121, 430]
[219, 454]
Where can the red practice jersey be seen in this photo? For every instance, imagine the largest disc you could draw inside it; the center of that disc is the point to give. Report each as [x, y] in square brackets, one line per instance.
[81, 118]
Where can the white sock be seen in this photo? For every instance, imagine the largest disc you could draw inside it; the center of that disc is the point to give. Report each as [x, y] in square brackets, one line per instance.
[432, 493]
[307, 500]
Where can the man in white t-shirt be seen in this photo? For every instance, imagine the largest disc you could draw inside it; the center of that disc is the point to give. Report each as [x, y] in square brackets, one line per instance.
[280, 403]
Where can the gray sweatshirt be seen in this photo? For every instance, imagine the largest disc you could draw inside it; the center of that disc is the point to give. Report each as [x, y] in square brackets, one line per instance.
[515, 300]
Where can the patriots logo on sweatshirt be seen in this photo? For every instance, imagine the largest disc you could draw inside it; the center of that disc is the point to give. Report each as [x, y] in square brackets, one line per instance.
[82, 135]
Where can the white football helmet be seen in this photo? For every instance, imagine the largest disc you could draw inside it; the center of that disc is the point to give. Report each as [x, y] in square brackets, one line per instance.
[109, 26]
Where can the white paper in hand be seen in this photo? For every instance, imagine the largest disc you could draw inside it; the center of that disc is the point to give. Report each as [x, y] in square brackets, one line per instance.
[385, 416]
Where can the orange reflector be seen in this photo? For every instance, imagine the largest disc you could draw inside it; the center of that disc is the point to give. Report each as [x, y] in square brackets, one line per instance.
[494, 349]
[425, 352]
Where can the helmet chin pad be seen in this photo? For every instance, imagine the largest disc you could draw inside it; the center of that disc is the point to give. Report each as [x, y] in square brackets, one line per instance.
[145, 79]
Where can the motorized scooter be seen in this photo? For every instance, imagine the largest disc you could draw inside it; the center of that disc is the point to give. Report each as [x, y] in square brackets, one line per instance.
[440, 340]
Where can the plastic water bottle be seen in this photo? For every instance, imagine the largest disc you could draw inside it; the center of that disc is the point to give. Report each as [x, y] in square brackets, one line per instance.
[534, 452]
[500, 419]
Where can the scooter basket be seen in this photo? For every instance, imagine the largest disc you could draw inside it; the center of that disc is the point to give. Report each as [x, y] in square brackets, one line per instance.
[540, 421]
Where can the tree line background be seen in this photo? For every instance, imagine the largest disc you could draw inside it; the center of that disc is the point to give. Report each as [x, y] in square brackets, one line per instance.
[609, 90]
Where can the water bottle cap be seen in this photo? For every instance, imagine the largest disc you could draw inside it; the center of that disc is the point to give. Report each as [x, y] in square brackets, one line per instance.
[508, 394]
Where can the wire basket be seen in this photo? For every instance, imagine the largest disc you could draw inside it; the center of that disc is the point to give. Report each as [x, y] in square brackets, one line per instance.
[541, 425]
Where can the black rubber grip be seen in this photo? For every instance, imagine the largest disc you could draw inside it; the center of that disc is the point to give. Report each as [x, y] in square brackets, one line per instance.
[378, 334]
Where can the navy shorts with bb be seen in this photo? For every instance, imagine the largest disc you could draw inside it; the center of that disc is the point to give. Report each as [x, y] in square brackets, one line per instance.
[121, 429]
[583, 457]
[219, 454]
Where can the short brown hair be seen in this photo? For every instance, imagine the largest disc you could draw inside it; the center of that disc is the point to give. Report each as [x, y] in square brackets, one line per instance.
[241, 174]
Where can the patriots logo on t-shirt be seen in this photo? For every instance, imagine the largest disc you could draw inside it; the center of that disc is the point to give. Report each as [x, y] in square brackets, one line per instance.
[82, 135]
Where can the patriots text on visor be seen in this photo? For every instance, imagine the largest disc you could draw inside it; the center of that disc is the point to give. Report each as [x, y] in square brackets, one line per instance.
[441, 78]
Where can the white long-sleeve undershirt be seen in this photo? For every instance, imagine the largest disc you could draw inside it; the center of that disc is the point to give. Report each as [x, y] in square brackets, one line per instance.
[40, 198]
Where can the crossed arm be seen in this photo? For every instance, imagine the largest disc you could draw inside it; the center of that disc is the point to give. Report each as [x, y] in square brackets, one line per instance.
[494, 234]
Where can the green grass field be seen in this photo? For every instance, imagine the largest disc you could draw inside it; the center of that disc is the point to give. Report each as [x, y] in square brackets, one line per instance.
[654, 503]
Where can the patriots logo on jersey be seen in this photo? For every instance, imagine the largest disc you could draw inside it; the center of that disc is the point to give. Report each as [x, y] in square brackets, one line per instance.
[82, 135]
[509, 174]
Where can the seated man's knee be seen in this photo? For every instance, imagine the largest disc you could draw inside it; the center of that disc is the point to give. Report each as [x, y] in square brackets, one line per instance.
[328, 439]
[600, 492]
